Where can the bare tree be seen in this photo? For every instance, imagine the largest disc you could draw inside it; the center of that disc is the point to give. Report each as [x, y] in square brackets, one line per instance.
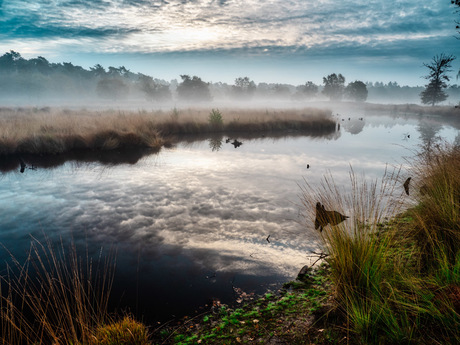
[438, 69]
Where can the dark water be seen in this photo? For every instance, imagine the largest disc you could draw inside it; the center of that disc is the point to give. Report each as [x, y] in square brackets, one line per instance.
[190, 223]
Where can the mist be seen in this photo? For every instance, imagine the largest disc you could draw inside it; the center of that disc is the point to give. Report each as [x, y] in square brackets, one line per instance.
[36, 82]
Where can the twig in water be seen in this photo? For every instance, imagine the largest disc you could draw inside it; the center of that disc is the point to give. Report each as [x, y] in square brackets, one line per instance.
[320, 257]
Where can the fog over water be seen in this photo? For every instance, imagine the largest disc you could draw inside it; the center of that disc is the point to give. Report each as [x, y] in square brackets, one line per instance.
[192, 221]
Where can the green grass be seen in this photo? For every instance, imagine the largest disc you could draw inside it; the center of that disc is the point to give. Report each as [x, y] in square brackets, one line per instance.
[285, 315]
[398, 284]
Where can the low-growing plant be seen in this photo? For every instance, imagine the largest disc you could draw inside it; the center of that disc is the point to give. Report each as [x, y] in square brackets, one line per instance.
[124, 332]
[215, 118]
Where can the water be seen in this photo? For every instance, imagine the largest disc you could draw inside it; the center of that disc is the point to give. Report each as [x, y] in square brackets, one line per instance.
[190, 223]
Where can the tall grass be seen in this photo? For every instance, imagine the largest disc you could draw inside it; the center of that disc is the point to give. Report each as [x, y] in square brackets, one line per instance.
[54, 297]
[437, 217]
[396, 283]
[54, 131]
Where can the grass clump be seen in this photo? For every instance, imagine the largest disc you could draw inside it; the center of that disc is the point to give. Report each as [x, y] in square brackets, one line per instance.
[398, 283]
[124, 332]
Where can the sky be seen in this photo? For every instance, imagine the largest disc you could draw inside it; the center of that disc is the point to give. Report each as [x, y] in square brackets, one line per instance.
[273, 41]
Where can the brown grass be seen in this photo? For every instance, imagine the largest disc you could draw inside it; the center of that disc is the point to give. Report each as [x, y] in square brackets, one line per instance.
[54, 297]
[54, 131]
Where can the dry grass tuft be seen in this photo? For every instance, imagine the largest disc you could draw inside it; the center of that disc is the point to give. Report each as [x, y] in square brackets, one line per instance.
[124, 332]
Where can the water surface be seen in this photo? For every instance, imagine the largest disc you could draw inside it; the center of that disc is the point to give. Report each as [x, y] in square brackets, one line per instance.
[191, 223]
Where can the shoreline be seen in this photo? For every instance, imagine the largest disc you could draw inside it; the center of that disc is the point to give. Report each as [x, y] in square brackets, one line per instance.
[45, 132]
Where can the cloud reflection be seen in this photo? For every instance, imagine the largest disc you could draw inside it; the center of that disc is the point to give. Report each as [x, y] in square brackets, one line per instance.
[190, 211]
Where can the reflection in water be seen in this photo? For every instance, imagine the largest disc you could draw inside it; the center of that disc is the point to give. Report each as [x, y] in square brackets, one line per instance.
[111, 157]
[354, 126]
[215, 142]
[193, 212]
[428, 131]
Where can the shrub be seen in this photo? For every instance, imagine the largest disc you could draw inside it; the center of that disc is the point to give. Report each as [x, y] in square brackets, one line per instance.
[215, 118]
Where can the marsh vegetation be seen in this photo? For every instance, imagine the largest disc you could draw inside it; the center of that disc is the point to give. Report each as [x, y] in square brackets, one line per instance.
[398, 281]
[55, 131]
[389, 276]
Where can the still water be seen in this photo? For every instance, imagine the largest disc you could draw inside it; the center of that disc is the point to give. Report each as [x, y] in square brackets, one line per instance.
[190, 223]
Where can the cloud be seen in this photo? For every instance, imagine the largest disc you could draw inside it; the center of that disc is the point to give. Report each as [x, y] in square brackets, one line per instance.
[168, 26]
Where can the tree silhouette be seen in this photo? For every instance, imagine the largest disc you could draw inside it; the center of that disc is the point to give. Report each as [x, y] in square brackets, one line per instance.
[280, 91]
[193, 89]
[98, 71]
[334, 86]
[457, 3]
[438, 68]
[153, 91]
[309, 90]
[243, 88]
[356, 91]
[112, 88]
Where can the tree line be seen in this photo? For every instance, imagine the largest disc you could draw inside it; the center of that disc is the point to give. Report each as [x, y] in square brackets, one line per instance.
[37, 78]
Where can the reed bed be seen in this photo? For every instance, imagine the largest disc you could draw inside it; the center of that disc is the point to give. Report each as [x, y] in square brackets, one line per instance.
[55, 131]
[54, 297]
[398, 281]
